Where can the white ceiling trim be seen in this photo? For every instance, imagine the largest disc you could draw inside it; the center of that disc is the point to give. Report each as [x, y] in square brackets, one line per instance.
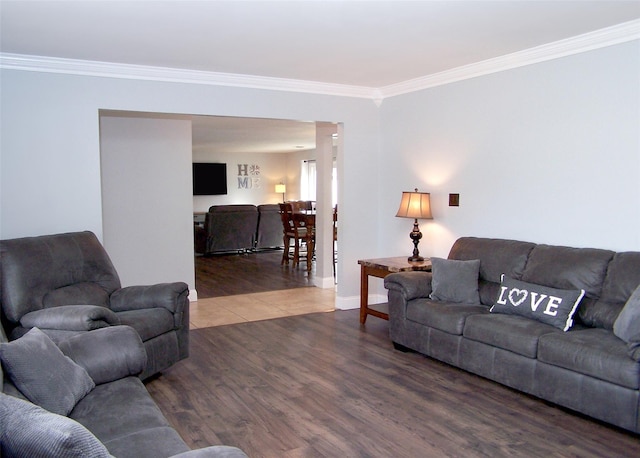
[620, 33]
[143, 72]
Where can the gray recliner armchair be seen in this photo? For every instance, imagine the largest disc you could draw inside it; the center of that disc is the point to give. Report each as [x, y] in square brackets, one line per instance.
[65, 284]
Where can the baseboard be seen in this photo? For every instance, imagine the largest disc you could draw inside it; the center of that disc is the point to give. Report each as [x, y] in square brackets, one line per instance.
[353, 302]
[324, 282]
[193, 295]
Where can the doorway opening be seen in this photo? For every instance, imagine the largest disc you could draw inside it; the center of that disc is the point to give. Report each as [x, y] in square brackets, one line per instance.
[176, 185]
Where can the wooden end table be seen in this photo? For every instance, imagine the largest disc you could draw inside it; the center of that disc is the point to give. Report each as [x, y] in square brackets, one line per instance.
[380, 268]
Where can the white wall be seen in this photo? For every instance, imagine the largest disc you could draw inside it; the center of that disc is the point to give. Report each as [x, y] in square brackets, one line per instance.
[146, 199]
[273, 170]
[50, 148]
[546, 153]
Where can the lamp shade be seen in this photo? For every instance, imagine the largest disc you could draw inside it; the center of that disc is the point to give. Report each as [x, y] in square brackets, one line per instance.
[281, 188]
[415, 205]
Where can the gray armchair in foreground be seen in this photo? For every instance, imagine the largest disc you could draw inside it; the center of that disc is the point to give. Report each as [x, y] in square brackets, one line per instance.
[66, 284]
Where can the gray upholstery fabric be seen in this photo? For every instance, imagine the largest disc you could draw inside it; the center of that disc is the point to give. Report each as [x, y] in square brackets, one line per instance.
[27, 430]
[104, 361]
[498, 256]
[230, 227]
[411, 285]
[455, 281]
[148, 322]
[623, 276]
[148, 442]
[509, 368]
[591, 396]
[627, 325]
[594, 352]
[552, 306]
[79, 293]
[446, 316]
[70, 318]
[34, 267]
[270, 230]
[170, 296]
[26, 360]
[568, 268]
[517, 334]
[43, 275]
[118, 409]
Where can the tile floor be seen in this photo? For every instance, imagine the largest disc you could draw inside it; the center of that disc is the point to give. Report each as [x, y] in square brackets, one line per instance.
[217, 311]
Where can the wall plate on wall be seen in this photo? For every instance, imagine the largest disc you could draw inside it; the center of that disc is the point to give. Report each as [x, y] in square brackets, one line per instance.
[454, 200]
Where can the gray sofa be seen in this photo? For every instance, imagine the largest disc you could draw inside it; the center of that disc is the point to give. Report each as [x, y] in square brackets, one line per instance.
[83, 398]
[511, 328]
[66, 284]
[239, 228]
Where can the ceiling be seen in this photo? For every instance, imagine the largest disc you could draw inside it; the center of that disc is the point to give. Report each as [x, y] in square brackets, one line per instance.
[369, 44]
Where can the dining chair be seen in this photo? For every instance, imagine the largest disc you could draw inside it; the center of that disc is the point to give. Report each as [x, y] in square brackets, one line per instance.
[292, 230]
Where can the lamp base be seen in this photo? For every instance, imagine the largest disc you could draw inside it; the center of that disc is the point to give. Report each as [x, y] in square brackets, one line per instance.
[415, 235]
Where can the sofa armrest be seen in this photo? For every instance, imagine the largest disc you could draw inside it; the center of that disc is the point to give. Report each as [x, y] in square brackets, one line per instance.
[172, 296]
[215, 451]
[107, 354]
[411, 285]
[70, 318]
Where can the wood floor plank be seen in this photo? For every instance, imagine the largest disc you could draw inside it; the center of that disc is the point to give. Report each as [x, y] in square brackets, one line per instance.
[322, 385]
[254, 272]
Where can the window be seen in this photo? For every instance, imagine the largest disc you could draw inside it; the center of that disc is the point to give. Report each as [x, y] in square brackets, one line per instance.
[308, 181]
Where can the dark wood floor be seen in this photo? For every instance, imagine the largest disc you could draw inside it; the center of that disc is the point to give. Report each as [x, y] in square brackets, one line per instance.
[231, 274]
[321, 385]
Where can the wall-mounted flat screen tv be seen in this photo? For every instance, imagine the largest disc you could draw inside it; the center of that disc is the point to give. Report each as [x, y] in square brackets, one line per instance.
[209, 179]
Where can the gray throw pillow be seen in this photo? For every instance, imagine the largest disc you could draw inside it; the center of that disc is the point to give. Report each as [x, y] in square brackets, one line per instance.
[627, 325]
[28, 430]
[455, 281]
[43, 373]
[552, 306]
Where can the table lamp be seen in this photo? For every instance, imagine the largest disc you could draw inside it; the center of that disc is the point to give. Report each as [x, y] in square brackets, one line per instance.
[281, 188]
[416, 205]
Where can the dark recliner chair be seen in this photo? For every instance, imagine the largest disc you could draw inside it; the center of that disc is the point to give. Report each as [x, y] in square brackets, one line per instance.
[66, 284]
[227, 228]
[270, 233]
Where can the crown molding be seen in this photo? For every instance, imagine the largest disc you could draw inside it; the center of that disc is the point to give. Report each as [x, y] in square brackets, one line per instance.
[621, 33]
[617, 34]
[143, 72]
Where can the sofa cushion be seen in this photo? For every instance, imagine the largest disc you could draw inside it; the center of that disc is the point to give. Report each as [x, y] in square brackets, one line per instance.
[623, 276]
[444, 316]
[455, 281]
[148, 442]
[514, 333]
[547, 305]
[117, 409]
[568, 268]
[594, 352]
[79, 293]
[149, 323]
[627, 325]
[43, 373]
[28, 430]
[497, 256]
